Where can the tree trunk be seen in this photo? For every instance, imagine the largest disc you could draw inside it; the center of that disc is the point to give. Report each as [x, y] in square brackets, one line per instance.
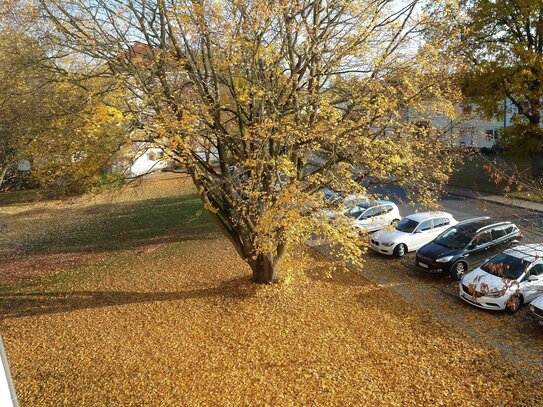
[537, 164]
[3, 172]
[265, 269]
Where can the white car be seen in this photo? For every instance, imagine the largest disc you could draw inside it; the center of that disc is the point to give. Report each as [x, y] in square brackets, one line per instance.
[537, 308]
[337, 197]
[342, 203]
[507, 280]
[411, 233]
[373, 215]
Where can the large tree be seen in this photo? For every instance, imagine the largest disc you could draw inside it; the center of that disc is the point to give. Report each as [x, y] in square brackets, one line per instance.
[266, 102]
[22, 94]
[502, 43]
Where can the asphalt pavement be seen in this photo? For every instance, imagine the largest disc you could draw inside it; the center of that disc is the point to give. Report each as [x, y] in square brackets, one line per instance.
[463, 208]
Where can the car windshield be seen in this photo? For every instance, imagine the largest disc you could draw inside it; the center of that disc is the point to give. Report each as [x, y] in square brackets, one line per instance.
[407, 225]
[506, 266]
[358, 210]
[328, 193]
[453, 238]
[352, 203]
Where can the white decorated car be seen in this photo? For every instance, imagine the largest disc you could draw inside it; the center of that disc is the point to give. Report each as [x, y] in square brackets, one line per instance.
[411, 233]
[537, 308]
[373, 215]
[507, 280]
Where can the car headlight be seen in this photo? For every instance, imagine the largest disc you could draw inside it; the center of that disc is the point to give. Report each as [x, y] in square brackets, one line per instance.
[532, 308]
[444, 259]
[387, 244]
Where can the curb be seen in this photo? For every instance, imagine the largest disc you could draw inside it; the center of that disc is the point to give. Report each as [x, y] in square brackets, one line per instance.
[526, 205]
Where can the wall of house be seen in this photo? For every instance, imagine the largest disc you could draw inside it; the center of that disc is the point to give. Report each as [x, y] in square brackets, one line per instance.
[469, 131]
[149, 160]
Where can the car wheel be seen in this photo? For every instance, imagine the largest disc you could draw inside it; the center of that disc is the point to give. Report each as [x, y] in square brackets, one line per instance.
[514, 303]
[458, 269]
[400, 250]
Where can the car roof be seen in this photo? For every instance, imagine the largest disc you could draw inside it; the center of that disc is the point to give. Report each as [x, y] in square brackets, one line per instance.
[528, 252]
[422, 216]
[472, 226]
[381, 202]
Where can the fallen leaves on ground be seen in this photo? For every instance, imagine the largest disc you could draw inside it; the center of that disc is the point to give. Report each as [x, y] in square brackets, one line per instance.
[181, 324]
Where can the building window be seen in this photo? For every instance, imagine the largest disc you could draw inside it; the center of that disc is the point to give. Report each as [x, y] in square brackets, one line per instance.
[491, 134]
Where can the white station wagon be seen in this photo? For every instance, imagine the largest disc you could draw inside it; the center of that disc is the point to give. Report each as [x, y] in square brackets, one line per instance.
[411, 233]
[373, 215]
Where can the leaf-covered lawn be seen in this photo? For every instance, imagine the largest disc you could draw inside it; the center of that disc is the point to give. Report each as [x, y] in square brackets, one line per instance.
[170, 318]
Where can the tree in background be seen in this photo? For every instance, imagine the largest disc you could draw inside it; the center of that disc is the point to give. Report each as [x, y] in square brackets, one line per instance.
[23, 97]
[267, 102]
[502, 43]
[54, 112]
[73, 150]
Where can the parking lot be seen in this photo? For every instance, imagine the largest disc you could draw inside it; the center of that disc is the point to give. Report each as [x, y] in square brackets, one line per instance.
[517, 336]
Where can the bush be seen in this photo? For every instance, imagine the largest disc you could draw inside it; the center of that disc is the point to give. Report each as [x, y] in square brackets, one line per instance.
[107, 181]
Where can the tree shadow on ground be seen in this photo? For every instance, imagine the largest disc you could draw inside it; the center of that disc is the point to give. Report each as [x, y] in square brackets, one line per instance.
[31, 304]
[112, 227]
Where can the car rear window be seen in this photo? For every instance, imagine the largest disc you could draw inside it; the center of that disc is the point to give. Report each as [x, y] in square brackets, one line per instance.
[387, 209]
[498, 233]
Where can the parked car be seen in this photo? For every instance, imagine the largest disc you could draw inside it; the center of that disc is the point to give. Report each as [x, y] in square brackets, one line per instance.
[537, 308]
[411, 233]
[340, 203]
[331, 195]
[373, 215]
[506, 281]
[466, 245]
[336, 197]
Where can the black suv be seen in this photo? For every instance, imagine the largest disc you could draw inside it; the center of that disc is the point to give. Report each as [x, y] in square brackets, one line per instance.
[466, 246]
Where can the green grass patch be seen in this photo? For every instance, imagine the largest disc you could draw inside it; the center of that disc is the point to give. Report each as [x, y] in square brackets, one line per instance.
[113, 227]
[27, 195]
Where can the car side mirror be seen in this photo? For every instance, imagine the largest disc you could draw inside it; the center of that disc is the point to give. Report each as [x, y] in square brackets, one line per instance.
[533, 278]
[418, 231]
[471, 247]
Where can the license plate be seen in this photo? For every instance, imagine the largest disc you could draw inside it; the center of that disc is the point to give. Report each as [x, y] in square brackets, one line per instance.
[423, 265]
